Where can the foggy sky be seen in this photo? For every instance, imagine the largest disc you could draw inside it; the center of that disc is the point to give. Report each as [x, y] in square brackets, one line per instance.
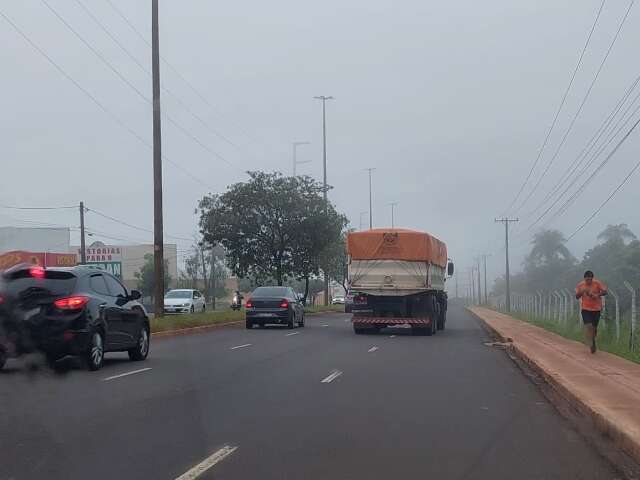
[449, 101]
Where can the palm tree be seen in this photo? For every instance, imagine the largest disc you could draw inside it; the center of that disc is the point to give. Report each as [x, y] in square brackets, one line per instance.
[549, 248]
[617, 233]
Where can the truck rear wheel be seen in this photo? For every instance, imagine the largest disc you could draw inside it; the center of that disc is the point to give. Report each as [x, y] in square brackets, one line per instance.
[442, 319]
[359, 330]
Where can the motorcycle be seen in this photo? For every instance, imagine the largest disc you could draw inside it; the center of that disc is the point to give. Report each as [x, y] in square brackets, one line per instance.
[236, 303]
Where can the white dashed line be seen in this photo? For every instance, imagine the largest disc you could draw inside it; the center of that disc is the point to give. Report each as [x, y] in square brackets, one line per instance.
[372, 349]
[392, 336]
[207, 463]
[241, 346]
[292, 333]
[126, 374]
[325, 325]
[335, 374]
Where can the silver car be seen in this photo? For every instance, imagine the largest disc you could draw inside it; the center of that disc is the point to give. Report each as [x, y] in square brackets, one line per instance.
[184, 301]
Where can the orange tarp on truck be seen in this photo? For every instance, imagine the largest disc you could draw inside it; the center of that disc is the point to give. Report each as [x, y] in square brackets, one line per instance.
[396, 244]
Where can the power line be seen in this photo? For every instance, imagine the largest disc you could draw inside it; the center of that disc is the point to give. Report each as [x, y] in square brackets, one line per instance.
[563, 208]
[134, 88]
[580, 107]
[100, 105]
[562, 102]
[614, 192]
[577, 162]
[177, 72]
[11, 207]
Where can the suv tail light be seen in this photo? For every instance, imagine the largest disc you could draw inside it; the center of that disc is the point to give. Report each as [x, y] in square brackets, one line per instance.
[284, 304]
[248, 304]
[71, 303]
[37, 272]
[1, 299]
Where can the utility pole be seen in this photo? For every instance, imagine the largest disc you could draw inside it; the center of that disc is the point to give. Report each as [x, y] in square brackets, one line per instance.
[393, 205]
[486, 295]
[83, 245]
[456, 275]
[158, 240]
[479, 284]
[361, 214]
[506, 222]
[324, 176]
[473, 285]
[295, 161]
[370, 170]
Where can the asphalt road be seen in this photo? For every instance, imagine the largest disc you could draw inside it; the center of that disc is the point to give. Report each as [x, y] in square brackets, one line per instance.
[253, 404]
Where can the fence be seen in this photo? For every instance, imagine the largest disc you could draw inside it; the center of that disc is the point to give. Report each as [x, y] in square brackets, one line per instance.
[562, 309]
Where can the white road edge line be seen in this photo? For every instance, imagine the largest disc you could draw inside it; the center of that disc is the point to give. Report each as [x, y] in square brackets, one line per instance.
[207, 463]
[293, 333]
[335, 374]
[372, 349]
[241, 346]
[126, 374]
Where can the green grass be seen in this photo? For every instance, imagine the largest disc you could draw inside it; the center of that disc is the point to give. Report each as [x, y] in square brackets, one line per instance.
[189, 320]
[606, 334]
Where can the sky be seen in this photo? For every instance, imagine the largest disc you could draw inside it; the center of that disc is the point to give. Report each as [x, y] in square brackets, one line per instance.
[450, 102]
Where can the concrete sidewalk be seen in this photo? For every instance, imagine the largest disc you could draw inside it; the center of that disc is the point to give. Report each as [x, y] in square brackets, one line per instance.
[601, 385]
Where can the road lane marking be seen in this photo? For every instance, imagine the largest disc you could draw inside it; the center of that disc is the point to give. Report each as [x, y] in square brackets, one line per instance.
[325, 325]
[126, 374]
[292, 333]
[392, 336]
[372, 349]
[241, 346]
[335, 374]
[207, 463]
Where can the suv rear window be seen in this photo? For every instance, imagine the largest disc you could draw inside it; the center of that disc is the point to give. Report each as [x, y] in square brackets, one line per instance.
[54, 282]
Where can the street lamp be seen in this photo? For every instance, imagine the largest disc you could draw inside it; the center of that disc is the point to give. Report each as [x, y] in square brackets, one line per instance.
[361, 215]
[393, 205]
[295, 160]
[370, 170]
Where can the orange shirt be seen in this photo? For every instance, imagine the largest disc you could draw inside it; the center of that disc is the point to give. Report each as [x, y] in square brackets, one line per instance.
[596, 288]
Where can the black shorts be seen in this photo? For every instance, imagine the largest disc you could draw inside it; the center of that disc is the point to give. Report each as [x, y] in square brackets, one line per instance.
[590, 317]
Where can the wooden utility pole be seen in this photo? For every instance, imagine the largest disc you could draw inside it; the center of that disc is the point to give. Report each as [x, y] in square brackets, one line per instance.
[506, 222]
[83, 244]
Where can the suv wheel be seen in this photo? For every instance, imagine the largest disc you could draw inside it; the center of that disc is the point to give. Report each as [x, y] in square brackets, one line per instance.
[249, 324]
[292, 321]
[3, 359]
[301, 322]
[95, 354]
[141, 350]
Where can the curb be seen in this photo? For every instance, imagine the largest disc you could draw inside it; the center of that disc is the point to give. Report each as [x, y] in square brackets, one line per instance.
[609, 429]
[206, 328]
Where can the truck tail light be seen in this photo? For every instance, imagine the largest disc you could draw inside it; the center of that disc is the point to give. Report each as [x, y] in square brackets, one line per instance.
[284, 304]
[360, 300]
[71, 303]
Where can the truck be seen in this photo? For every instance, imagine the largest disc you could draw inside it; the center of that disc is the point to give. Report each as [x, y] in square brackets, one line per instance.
[397, 277]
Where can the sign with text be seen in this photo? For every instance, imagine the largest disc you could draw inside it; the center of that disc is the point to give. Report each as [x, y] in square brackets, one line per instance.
[44, 259]
[114, 268]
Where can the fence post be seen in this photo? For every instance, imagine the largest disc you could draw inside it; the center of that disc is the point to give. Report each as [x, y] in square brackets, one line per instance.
[617, 314]
[603, 317]
[568, 309]
[538, 307]
[632, 340]
[554, 310]
[564, 307]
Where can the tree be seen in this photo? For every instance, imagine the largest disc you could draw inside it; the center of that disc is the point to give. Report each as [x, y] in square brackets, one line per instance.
[548, 248]
[334, 261]
[146, 278]
[617, 234]
[272, 227]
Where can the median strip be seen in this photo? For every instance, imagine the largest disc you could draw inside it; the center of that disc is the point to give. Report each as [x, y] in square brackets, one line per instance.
[126, 374]
[207, 463]
[332, 376]
[241, 346]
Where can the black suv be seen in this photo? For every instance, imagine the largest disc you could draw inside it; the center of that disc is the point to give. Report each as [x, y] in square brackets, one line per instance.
[71, 311]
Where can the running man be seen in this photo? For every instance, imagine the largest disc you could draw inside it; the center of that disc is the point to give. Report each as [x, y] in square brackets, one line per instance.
[590, 292]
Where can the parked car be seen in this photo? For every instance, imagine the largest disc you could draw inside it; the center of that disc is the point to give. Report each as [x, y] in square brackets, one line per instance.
[338, 300]
[274, 305]
[184, 300]
[75, 311]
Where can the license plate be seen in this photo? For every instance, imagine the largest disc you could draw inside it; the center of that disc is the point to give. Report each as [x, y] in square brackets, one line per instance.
[265, 315]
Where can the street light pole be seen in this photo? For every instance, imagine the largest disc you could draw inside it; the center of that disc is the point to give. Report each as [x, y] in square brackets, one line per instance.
[83, 245]
[158, 240]
[361, 214]
[324, 175]
[506, 222]
[393, 205]
[370, 170]
[295, 160]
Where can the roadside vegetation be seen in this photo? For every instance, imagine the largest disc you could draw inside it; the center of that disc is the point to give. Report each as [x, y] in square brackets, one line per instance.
[190, 320]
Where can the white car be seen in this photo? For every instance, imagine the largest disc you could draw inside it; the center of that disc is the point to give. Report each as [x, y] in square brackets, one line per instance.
[184, 301]
[338, 300]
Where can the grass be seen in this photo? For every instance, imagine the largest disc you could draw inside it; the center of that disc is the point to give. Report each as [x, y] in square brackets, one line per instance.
[190, 320]
[606, 334]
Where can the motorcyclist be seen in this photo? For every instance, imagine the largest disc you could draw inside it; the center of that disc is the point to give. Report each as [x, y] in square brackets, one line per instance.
[237, 299]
